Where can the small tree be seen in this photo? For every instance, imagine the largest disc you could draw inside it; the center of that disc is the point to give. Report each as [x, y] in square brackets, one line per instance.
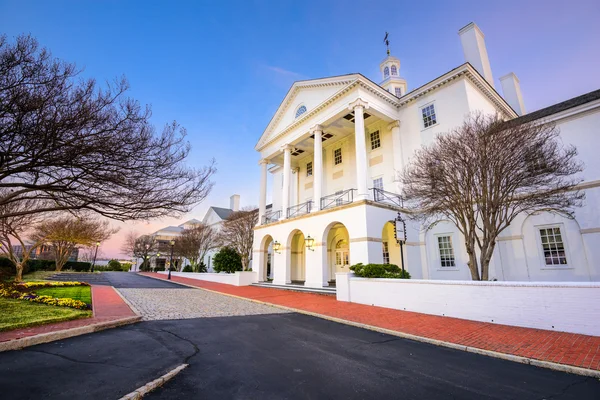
[139, 247]
[13, 230]
[195, 242]
[227, 260]
[238, 233]
[485, 173]
[114, 265]
[66, 233]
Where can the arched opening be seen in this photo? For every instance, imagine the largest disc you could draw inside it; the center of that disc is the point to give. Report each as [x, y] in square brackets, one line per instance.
[386, 72]
[389, 245]
[338, 250]
[267, 259]
[394, 70]
[297, 257]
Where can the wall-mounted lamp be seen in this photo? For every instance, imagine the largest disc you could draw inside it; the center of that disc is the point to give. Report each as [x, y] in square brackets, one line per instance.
[277, 247]
[310, 243]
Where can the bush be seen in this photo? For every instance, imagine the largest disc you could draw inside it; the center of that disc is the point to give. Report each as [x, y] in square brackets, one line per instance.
[77, 266]
[379, 271]
[40, 265]
[188, 268]
[227, 260]
[114, 265]
[126, 267]
[201, 267]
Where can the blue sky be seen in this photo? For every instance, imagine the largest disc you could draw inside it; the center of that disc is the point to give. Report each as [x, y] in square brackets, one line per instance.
[221, 68]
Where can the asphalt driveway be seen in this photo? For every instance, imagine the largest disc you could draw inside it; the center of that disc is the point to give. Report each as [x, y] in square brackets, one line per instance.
[271, 356]
[118, 280]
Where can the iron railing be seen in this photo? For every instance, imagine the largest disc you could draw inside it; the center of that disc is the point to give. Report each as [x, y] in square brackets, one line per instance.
[271, 216]
[338, 198]
[382, 196]
[299, 209]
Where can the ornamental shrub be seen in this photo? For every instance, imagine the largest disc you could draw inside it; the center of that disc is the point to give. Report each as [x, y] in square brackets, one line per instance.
[114, 265]
[188, 268]
[379, 271]
[77, 266]
[227, 260]
[201, 267]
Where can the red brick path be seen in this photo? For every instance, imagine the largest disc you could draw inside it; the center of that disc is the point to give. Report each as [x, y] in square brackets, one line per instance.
[108, 306]
[559, 347]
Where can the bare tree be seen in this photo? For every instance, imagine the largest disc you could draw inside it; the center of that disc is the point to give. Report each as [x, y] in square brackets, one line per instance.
[195, 242]
[140, 247]
[13, 230]
[238, 233]
[66, 233]
[81, 147]
[485, 173]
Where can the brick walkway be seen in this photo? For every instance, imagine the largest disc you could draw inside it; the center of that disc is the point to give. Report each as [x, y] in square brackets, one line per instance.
[108, 306]
[564, 348]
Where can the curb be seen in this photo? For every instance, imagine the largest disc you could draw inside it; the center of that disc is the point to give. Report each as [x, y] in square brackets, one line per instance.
[510, 357]
[65, 333]
[129, 304]
[150, 386]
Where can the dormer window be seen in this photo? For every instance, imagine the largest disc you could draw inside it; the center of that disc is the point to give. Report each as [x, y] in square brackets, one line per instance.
[386, 72]
[301, 110]
[394, 70]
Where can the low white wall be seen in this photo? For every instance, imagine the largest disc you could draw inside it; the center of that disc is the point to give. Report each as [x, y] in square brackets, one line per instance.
[239, 278]
[568, 306]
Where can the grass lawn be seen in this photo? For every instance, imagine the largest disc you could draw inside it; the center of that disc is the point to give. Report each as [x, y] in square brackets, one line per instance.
[16, 314]
[83, 293]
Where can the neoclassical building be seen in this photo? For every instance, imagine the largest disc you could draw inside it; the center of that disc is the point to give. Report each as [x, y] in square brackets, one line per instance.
[332, 153]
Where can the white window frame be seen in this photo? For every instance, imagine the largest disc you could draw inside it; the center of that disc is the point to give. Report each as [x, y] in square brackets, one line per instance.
[296, 115]
[376, 140]
[398, 92]
[335, 163]
[309, 171]
[540, 247]
[437, 120]
[439, 255]
[385, 248]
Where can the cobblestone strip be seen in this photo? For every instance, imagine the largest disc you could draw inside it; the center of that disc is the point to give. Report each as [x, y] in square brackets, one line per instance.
[162, 304]
[150, 386]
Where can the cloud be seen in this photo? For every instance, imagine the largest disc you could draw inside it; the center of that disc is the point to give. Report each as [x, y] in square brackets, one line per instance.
[284, 72]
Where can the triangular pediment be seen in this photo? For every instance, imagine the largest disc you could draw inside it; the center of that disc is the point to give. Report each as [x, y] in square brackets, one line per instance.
[309, 94]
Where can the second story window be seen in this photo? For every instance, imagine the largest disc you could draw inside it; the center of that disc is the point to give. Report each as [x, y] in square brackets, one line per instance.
[398, 92]
[309, 169]
[375, 140]
[429, 117]
[337, 156]
[378, 185]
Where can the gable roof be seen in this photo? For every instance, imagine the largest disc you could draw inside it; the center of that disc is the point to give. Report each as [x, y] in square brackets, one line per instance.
[223, 213]
[192, 221]
[556, 108]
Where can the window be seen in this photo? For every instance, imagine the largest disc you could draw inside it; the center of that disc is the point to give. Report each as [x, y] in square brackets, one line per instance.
[553, 246]
[301, 110]
[446, 251]
[340, 199]
[394, 70]
[309, 169]
[386, 72]
[378, 185]
[429, 117]
[398, 92]
[375, 140]
[337, 156]
[386, 253]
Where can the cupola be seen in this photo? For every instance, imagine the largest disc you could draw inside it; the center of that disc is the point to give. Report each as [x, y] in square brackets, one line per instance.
[390, 72]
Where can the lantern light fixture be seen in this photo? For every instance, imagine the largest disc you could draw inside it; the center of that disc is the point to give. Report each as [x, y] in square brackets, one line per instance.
[310, 243]
[277, 247]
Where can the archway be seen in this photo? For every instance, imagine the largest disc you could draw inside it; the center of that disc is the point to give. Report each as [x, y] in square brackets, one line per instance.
[337, 240]
[389, 245]
[266, 249]
[296, 246]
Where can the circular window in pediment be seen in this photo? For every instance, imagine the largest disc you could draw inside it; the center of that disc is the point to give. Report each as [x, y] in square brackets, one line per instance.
[301, 110]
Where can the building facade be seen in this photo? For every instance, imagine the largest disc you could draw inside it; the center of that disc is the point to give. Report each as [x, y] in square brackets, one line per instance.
[333, 152]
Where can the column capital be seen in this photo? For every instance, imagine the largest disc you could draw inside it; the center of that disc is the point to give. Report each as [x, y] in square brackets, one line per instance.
[394, 124]
[287, 147]
[358, 103]
[316, 128]
[263, 161]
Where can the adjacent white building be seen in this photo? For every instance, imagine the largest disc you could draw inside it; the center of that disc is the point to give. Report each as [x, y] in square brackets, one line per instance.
[334, 147]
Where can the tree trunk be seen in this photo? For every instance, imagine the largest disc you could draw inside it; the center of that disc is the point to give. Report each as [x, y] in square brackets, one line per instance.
[473, 267]
[19, 275]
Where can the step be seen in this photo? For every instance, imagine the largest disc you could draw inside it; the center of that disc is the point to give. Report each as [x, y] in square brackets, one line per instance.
[298, 288]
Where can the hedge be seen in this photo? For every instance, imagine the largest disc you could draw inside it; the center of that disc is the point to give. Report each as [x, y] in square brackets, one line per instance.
[379, 271]
[8, 267]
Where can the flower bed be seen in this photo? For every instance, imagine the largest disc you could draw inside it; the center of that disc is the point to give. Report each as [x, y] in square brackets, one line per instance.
[18, 291]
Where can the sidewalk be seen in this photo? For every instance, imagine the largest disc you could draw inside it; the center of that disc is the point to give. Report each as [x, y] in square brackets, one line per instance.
[547, 346]
[109, 310]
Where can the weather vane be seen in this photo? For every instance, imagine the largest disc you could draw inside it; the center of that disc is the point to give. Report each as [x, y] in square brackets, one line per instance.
[387, 43]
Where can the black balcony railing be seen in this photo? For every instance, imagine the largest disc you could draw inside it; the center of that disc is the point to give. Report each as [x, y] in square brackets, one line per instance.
[338, 198]
[299, 209]
[271, 216]
[382, 196]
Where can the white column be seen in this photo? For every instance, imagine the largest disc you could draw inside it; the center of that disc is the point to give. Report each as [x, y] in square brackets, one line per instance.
[359, 106]
[287, 168]
[262, 202]
[317, 130]
[394, 128]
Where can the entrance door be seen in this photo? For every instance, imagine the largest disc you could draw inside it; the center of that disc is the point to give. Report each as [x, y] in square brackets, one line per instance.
[342, 257]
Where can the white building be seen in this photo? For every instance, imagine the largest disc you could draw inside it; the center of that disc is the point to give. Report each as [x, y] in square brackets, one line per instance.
[334, 147]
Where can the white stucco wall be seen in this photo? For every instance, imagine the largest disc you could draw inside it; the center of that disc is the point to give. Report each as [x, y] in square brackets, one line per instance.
[532, 305]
